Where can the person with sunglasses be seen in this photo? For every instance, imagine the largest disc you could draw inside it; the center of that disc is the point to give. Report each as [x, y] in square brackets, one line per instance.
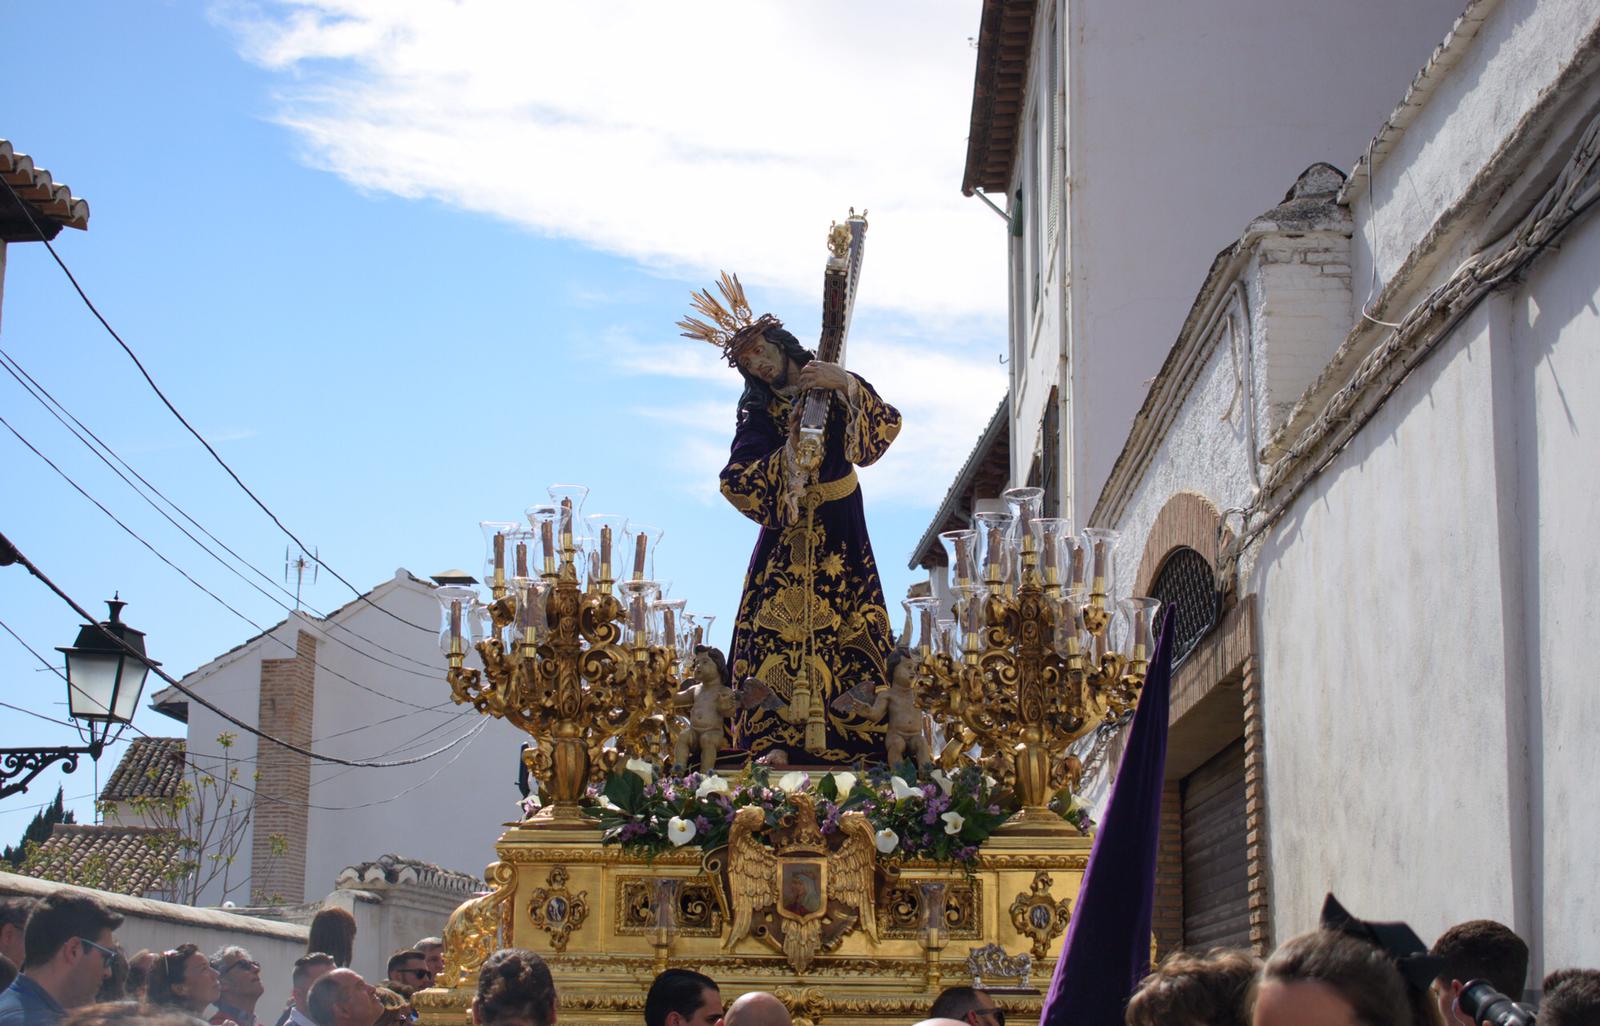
[410, 968]
[183, 980]
[967, 1005]
[240, 983]
[67, 951]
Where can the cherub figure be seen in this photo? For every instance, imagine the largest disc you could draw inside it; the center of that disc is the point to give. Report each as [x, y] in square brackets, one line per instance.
[907, 722]
[710, 702]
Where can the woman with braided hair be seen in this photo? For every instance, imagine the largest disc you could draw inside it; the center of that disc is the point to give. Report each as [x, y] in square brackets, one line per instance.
[514, 989]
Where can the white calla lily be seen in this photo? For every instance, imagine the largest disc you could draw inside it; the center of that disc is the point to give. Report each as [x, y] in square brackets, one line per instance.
[641, 769]
[886, 840]
[845, 781]
[680, 831]
[712, 785]
[901, 789]
[942, 778]
[605, 802]
[792, 781]
[953, 822]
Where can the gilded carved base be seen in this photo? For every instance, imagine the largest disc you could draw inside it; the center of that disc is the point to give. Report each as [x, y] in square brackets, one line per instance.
[604, 960]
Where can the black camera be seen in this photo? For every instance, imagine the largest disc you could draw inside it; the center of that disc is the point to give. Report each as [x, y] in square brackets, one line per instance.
[1488, 1006]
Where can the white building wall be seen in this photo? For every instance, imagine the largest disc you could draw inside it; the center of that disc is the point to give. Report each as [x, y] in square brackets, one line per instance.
[1206, 450]
[468, 793]
[1429, 606]
[1181, 120]
[359, 814]
[1462, 112]
[235, 686]
[1555, 396]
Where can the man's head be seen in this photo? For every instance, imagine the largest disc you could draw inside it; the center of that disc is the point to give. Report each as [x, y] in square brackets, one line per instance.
[770, 364]
[1480, 949]
[432, 949]
[308, 969]
[410, 967]
[68, 946]
[969, 1005]
[1203, 991]
[1573, 1001]
[514, 989]
[682, 997]
[343, 998]
[13, 921]
[241, 977]
[757, 1008]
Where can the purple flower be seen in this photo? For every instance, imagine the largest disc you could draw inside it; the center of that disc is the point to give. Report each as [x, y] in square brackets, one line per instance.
[702, 824]
[994, 810]
[930, 790]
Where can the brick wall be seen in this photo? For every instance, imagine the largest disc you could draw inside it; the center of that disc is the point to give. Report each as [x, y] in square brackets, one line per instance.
[288, 689]
[1226, 657]
[1255, 811]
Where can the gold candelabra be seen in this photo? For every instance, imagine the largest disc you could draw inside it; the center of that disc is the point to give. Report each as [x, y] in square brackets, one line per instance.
[1026, 665]
[587, 675]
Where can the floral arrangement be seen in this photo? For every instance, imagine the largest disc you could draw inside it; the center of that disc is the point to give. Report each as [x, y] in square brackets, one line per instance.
[938, 816]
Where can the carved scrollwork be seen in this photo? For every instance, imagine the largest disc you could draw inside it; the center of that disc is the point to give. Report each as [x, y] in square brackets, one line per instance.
[556, 910]
[1039, 916]
[475, 928]
[698, 912]
[900, 914]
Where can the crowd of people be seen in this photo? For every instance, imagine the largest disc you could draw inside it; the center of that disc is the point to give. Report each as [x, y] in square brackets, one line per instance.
[60, 965]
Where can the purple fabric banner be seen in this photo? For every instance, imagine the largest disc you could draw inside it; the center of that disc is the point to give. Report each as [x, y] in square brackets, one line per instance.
[1107, 950]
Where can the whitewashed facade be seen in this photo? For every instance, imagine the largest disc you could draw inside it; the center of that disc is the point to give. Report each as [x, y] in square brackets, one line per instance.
[1132, 147]
[325, 685]
[1393, 473]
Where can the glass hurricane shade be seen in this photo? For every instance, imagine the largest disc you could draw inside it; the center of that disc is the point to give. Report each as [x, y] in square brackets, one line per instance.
[455, 608]
[105, 679]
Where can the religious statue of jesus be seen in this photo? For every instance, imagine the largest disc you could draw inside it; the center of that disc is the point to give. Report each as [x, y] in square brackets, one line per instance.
[811, 624]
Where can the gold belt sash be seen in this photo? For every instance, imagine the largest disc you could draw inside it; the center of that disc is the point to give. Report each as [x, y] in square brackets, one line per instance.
[828, 491]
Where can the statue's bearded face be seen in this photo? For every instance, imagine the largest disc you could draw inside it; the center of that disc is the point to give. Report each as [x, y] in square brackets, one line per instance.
[765, 361]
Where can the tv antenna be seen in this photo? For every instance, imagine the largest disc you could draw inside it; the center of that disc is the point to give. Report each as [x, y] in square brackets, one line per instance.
[296, 562]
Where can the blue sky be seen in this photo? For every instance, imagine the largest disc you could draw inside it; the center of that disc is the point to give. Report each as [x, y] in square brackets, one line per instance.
[406, 264]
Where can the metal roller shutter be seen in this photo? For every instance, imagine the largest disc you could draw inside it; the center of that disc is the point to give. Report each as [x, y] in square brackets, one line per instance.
[1216, 901]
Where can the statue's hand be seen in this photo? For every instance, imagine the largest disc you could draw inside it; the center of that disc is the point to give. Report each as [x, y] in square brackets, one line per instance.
[817, 374]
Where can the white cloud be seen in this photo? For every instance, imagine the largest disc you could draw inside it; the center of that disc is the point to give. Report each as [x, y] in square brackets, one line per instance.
[687, 137]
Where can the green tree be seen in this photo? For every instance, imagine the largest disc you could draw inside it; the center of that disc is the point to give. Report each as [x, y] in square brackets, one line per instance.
[39, 830]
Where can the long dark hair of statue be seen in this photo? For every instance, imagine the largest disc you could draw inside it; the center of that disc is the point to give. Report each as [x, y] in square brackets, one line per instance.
[757, 393]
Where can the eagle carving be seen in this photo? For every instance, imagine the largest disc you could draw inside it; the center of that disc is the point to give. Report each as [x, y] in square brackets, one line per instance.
[807, 894]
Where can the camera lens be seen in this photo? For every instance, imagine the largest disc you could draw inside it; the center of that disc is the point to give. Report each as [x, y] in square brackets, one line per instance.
[1483, 1004]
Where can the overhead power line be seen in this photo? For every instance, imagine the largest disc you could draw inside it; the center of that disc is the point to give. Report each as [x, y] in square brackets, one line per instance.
[78, 429]
[44, 238]
[181, 571]
[9, 553]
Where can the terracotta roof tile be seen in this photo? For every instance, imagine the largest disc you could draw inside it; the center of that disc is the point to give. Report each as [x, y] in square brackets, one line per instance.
[52, 204]
[152, 767]
[124, 860]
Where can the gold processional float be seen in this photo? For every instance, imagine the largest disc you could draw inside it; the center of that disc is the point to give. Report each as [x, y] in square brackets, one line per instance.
[854, 893]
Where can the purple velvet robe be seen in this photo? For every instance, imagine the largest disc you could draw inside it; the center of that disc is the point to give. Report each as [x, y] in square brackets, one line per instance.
[813, 601]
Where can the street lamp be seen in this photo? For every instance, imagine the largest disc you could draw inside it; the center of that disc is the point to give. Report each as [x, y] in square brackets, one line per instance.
[106, 671]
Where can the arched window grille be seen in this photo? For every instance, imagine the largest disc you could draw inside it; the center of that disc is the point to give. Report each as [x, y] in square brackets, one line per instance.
[1186, 582]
